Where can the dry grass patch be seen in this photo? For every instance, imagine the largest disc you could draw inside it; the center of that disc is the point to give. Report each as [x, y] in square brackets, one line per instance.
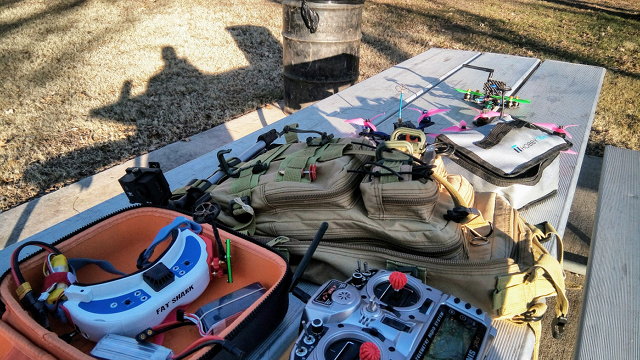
[86, 84]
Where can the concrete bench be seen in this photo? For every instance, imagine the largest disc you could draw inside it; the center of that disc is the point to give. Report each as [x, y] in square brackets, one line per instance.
[611, 311]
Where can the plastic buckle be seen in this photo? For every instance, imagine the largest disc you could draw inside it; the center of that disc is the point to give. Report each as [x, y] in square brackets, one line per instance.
[259, 167]
[557, 327]
[459, 213]
[323, 140]
[527, 316]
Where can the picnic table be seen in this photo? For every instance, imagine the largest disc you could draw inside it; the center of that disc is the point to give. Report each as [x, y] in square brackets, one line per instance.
[562, 93]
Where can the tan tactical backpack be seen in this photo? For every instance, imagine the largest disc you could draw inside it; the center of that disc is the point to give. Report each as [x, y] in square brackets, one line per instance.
[394, 206]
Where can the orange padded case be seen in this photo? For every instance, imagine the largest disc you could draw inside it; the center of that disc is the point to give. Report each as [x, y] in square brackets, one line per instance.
[119, 239]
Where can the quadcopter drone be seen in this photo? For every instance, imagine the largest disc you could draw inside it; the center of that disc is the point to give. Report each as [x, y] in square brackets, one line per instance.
[492, 98]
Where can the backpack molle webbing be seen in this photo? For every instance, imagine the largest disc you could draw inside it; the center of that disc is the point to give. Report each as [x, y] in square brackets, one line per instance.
[276, 194]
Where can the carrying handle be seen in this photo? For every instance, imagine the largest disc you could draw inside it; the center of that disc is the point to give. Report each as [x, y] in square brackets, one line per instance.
[499, 131]
[310, 17]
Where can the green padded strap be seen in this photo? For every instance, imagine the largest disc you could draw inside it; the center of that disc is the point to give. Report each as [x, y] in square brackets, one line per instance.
[351, 151]
[391, 178]
[332, 151]
[292, 166]
[247, 180]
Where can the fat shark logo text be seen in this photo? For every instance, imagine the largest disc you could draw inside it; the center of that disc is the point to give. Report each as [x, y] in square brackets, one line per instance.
[520, 148]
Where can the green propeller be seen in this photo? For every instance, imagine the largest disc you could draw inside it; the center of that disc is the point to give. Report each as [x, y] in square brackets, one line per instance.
[469, 92]
[506, 98]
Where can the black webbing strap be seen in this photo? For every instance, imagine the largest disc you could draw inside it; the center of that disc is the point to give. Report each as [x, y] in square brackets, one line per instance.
[499, 131]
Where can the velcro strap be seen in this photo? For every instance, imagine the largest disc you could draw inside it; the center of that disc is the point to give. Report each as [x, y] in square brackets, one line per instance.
[292, 166]
[63, 277]
[514, 293]
[359, 152]
[331, 152]
[387, 176]
[249, 178]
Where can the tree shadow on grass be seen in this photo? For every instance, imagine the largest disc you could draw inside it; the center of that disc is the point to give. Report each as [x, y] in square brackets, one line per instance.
[494, 29]
[609, 10]
[55, 10]
[179, 101]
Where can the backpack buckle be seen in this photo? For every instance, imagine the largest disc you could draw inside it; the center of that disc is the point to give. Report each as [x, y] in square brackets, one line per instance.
[557, 326]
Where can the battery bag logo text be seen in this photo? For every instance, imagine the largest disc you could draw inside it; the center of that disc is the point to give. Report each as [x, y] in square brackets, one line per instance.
[528, 144]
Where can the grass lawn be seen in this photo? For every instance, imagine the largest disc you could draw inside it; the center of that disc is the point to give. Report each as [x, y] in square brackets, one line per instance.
[86, 84]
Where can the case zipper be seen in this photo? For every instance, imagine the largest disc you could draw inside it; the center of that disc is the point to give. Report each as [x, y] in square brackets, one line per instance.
[411, 200]
[343, 236]
[338, 192]
[491, 176]
[378, 252]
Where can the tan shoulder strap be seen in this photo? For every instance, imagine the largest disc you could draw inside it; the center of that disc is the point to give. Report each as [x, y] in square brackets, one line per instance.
[474, 221]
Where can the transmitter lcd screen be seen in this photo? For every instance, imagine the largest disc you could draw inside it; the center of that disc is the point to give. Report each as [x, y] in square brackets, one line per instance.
[451, 335]
[452, 340]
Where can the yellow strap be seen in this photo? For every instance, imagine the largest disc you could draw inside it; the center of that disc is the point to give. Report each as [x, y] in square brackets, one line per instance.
[535, 312]
[536, 327]
[515, 292]
[552, 266]
[474, 222]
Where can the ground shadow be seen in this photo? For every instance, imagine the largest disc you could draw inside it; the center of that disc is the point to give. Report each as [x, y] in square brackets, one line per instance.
[55, 10]
[178, 102]
[609, 10]
[495, 29]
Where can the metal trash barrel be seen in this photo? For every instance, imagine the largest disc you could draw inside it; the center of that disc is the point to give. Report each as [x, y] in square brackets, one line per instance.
[319, 64]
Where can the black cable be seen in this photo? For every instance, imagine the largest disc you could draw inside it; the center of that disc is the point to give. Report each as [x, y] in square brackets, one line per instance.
[216, 235]
[16, 254]
[153, 331]
[171, 327]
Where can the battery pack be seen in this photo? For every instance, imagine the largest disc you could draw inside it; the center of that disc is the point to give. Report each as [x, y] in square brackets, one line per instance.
[113, 346]
[216, 315]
